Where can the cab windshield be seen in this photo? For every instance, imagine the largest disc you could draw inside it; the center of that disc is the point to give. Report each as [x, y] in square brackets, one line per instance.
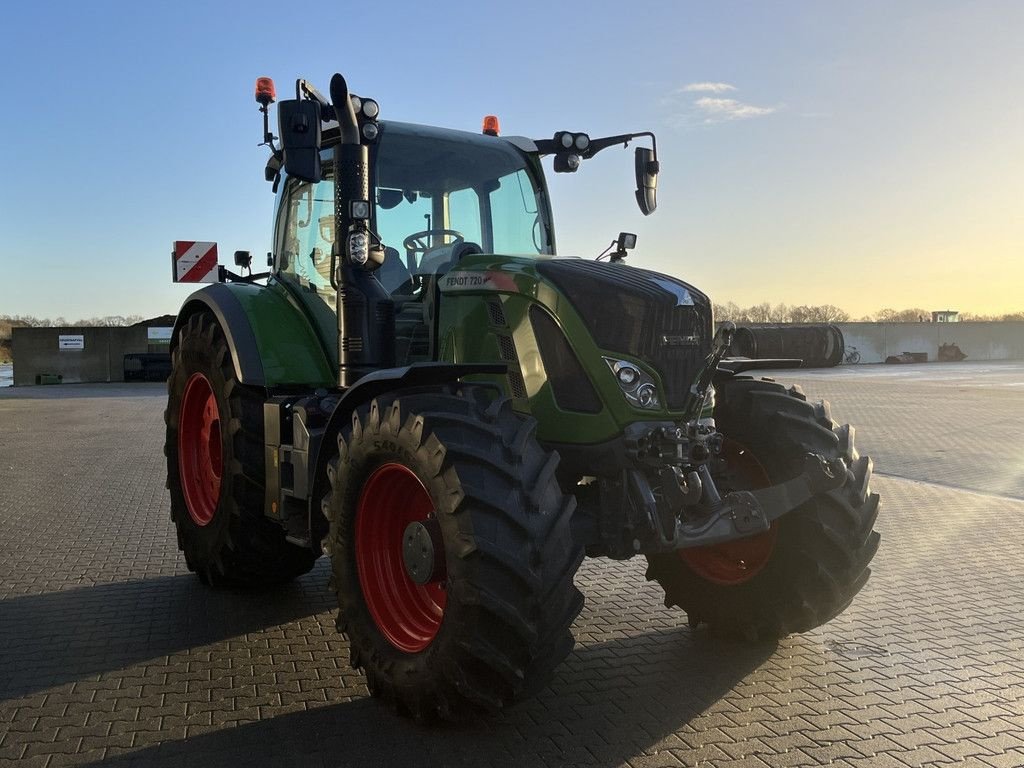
[433, 189]
[480, 186]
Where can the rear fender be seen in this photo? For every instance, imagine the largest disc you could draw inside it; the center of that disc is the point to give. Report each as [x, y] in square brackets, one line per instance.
[272, 341]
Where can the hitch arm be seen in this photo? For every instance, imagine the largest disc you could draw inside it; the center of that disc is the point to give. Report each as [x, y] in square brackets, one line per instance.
[746, 513]
[699, 390]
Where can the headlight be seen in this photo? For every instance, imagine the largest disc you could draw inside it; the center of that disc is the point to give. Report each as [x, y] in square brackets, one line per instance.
[647, 396]
[637, 387]
[628, 376]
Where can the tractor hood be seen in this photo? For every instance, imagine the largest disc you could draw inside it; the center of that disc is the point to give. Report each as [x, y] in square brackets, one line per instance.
[641, 314]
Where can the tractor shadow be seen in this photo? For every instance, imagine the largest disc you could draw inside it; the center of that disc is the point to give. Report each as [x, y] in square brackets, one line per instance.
[611, 701]
[76, 634]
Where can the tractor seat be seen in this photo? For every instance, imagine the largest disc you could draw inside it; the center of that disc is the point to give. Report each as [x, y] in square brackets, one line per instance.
[445, 258]
[394, 275]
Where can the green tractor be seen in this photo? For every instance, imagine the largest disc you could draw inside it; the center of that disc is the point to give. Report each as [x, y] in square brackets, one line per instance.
[422, 390]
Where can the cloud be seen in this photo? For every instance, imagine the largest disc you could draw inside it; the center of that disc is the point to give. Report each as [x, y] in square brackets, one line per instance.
[707, 103]
[707, 88]
[718, 110]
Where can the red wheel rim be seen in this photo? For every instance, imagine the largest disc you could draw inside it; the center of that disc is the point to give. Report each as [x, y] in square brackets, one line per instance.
[200, 459]
[736, 562]
[406, 613]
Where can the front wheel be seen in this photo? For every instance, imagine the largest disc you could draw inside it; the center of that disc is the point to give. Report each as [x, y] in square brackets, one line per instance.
[812, 562]
[453, 558]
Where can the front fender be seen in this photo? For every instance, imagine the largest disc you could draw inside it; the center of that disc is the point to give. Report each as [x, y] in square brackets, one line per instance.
[272, 341]
[372, 385]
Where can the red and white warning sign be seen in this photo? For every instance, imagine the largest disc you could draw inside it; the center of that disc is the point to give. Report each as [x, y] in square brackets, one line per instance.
[195, 262]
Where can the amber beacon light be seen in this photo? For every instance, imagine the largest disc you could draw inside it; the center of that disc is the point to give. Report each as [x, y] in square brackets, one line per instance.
[491, 127]
[265, 93]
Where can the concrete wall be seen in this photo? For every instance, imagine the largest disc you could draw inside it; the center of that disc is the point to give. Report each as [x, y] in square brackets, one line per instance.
[36, 351]
[979, 341]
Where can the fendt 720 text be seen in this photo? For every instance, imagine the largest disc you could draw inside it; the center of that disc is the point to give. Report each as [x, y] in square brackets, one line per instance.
[423, 390]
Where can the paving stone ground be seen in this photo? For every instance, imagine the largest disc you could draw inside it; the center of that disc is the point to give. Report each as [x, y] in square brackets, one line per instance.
[112, 654]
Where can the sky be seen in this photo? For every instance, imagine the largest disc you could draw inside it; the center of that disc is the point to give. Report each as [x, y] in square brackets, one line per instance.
[865, 154]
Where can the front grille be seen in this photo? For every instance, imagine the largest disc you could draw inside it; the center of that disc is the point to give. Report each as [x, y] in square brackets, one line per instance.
[646, 315]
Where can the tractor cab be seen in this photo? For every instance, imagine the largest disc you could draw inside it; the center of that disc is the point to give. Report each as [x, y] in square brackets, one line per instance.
[436, 196]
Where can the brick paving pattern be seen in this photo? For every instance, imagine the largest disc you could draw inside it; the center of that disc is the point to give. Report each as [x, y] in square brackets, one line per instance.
[112, 654]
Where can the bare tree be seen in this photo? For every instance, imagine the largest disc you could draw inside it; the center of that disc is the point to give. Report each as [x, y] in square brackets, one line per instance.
[727, 311]
[800, 314]
[107, 321]
[829, 313]
[760, 313]
[970, 317]
[765, 312]
[914, 315]
[779, 314]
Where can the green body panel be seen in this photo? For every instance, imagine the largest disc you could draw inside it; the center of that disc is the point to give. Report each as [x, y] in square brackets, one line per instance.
[297, 339]
[291, 348]
[468, 335]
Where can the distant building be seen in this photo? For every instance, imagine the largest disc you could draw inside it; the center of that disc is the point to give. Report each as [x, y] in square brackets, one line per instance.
[946, 316]
[72, 354]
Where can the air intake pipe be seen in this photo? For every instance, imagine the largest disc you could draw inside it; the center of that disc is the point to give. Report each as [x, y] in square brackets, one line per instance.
[365, 311]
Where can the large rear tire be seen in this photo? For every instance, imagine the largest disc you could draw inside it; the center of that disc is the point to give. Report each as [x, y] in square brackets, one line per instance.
[215, 467]
[493, 620]
[809, 567]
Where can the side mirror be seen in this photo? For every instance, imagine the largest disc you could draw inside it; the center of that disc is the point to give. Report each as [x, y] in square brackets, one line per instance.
[299, 128]
[647, 168]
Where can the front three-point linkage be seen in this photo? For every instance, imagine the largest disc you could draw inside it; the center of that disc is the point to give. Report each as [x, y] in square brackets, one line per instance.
[679, 503]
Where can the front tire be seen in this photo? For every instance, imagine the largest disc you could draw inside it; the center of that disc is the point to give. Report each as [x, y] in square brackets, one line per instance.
[494, 619]
[810, 565]
[215, 467]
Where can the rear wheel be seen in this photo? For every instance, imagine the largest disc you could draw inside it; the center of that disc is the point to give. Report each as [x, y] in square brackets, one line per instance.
[810, 565]
[452, 554]
[215, 467]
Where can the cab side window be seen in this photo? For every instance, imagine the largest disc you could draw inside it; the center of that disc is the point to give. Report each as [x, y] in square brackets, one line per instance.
[308, 234]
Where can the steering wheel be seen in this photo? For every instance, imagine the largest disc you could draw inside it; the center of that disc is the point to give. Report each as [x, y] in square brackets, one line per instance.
[419, 243]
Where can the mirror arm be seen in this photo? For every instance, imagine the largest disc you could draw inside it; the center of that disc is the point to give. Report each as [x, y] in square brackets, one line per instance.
[307, 88]
[596, 145]
[548, 147]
